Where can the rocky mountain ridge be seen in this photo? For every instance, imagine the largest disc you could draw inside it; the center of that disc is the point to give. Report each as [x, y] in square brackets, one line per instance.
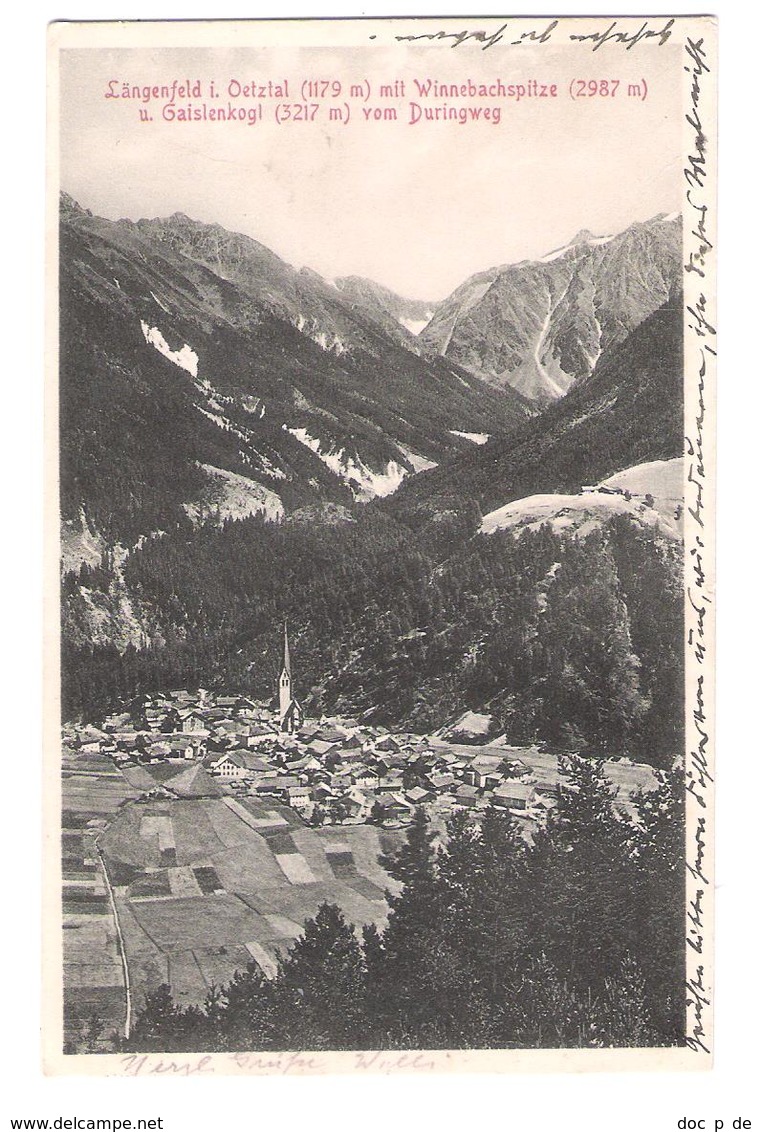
[339, 315]
[629, 411]
[541, 326]
[194, 360]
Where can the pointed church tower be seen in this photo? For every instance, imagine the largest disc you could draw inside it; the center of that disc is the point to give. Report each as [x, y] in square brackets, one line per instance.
[284, 684]
[291, 714]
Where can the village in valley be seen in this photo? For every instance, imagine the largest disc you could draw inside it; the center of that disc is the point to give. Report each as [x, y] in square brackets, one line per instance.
[202, 830]
[330, 771]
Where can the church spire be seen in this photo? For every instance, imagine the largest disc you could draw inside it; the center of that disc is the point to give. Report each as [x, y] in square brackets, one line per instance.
[290, 711]
[286, 653]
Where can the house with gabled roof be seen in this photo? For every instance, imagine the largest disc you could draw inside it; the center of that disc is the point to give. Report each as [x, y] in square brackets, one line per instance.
[193, 723]
[443, 783]
[364, 776]
[253, 764]
[300, 797]
[309, 766]
[90, 738]
[514, 795]
[319, 746]
[117, 721]
[260, 733]
[181, 746]
[351, 743]
[483, 771]
[388, 782]
[236, 727]
[417, 796]
[228, 766]
[387, 744]
[322, 792]
[228, 702]
[395, 807]
[182, 696]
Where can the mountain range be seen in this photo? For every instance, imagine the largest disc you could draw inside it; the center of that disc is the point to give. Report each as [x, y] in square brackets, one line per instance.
[627, 412]
[540, 327]
[199, 371]
[242, 441]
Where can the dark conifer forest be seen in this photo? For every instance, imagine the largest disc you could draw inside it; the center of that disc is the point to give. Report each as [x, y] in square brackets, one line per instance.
[575, 642]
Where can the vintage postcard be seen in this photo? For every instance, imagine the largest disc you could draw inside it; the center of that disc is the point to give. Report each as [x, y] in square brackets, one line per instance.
[381, 515]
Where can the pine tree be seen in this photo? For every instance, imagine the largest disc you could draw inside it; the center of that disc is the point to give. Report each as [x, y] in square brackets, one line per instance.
[321, 987]
[580, 880]
[163, 1026]
[658, 897]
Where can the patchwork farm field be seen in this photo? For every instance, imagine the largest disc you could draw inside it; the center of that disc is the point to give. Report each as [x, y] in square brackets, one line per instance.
[203, 881]
[93, 977]
[203, 886]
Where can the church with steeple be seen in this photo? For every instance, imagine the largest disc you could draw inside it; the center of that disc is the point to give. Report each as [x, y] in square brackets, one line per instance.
[291, 714]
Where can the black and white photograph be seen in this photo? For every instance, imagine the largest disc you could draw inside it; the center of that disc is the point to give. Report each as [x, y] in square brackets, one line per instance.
[381, 673]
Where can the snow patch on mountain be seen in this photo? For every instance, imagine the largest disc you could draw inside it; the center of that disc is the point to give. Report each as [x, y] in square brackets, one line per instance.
[377, 485]
[474, 437]
[185, 357]
[331, 343]
[650, 493]
[157, 300]
[415, 325]
[556, 253]
[221, 422]
[420, 463]
[366, 483]
[583, 238]
[265, 465]
[253, 405]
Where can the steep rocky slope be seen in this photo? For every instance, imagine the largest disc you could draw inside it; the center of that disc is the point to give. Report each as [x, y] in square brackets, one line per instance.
[193, 360]
[627, 412]
[541, 326]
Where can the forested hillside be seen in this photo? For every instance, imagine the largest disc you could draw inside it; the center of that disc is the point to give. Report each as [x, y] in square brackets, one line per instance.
[174, 371]
[573, 641]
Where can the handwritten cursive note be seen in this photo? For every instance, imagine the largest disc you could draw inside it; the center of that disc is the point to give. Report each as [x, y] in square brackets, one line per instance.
[614, 33]
[166, 1065]
[700, 345]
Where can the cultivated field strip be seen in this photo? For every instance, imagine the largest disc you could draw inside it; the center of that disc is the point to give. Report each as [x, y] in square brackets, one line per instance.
[94, 987]
[202, 886]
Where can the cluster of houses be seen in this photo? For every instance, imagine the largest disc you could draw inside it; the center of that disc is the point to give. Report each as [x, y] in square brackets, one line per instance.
[328, 770]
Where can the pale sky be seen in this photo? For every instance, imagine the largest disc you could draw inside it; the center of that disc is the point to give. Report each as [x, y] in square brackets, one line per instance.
[418, 208]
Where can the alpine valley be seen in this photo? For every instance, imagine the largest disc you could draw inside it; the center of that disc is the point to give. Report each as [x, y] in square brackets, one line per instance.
[468, 509]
